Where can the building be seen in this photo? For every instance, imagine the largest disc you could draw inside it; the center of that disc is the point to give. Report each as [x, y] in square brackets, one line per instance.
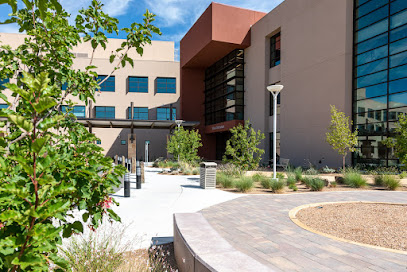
[152, 87]
[349, 53]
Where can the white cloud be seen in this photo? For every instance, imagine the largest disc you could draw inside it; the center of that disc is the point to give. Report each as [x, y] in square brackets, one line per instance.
[10, 28]
[112, 7]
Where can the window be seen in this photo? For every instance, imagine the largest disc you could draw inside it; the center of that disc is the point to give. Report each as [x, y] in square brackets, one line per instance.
[138, 113]
[3, 81]
[108, 85]
[3, 106]
[165, 113]
[272, 104]
[98, 142]
[138, 84]
[166, 85]
[123, 142]
[275, 50]
[78, 111]
[105, 112]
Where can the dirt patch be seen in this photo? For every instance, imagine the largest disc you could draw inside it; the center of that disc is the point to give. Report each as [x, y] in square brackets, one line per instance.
[378, 224]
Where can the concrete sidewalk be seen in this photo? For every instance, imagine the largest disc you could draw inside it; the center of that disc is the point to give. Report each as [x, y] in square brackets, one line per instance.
[149, 211]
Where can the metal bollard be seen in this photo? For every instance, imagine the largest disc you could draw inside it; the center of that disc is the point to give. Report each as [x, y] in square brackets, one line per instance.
[127, 185]
[138, 173]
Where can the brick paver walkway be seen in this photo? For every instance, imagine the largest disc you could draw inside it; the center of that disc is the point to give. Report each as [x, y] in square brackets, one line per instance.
[259, 226]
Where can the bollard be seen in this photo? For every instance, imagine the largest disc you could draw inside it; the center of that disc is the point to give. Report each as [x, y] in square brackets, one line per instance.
[127, 185]
[138, 173]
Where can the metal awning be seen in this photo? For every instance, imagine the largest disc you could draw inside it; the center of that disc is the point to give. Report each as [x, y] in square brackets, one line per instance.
[135, 124]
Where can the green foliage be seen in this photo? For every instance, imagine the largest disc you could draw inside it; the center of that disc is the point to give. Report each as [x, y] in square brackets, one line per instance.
[266, 183]
[354, 180]
[298, 173]
[244, 184]
[277, 185]
[195, 171]
[231, 170]
[291, 180]
[280, 175]
[316, 184]
[339, 134]
[311, 172]
[334, 184]
[378, 180]
[258, 177]
[241, 148]
[49, 163]
[399, 141]
[403, 175]
[224, 180]
[391, 183]
[184, 143]
[328, 170]
[293, 187]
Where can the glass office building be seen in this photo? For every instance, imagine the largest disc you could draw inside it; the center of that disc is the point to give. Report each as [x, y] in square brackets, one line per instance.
[380, 76]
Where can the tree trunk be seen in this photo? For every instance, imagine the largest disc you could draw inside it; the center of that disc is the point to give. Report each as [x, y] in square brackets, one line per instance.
[343, 162]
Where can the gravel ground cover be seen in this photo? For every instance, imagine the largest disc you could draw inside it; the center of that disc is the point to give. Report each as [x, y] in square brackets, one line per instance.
[376, 224]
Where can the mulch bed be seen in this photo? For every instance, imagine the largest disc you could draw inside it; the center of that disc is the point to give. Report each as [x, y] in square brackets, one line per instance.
[383, 225]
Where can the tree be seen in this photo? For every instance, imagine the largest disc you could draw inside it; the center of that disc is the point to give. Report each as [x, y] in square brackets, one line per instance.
[185, 144]
[399, 141]
[339, 134]
[241, 148]
[49, 163]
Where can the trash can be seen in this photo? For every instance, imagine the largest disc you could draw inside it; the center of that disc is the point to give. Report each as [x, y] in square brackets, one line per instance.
[208, 175]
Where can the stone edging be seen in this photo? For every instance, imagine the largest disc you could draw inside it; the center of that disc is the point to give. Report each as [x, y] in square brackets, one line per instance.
[292, 214]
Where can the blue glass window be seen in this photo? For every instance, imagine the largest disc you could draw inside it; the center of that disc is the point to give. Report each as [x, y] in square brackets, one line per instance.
[398, 100]
[166, 85]
[165, 114]
[138, 113]
[372, 91]
[372, 30]
[398, 72]
[398, 46]
[369, 7]
[4, 81]
[372, 79]
[372, 43]
[78, 111]
[372, 67]
[372, 17]
[398, 19]
[104, 112]
[361, 2]
[398, 86]
[108, 85]
[3, 106]
[138, 84]
[397, 6]
[398, 33]
[372, 55]
[398, 59]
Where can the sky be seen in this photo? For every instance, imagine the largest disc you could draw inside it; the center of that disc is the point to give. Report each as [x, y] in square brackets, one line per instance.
[173, 17]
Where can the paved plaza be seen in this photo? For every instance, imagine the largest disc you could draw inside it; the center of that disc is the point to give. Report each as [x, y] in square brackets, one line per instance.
[148, 213]
[259, 226]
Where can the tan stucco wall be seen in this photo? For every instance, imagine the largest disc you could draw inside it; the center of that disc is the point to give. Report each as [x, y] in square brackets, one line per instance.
[316, 70]
[157, 61]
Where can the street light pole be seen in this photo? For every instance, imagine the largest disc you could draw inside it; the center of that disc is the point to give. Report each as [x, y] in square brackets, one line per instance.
[178, 122]
[275, 91]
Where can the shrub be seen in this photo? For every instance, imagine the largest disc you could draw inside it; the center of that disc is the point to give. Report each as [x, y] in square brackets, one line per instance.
[244, 184]
[266, 183]
[280, 175]
[311, 172]
[277, 186]
[293, 187]
[231, 170]
[187, 172]
[195, 171]
[306, 181]
[333, 184]
[378, 180]
[291, 180]
[390, 182]
[298, 173]
[316, 184]
[258, 177]
[224, 180]
[354, 180]
[403, 175]
[328, 170]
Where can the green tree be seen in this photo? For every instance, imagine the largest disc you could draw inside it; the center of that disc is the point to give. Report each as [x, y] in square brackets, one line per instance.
[339, 134]
[184, 143]
[49, 164]
[399, 141]
[242, 148]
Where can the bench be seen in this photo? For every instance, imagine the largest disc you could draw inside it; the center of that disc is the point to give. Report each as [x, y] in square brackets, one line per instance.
[283, 163]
